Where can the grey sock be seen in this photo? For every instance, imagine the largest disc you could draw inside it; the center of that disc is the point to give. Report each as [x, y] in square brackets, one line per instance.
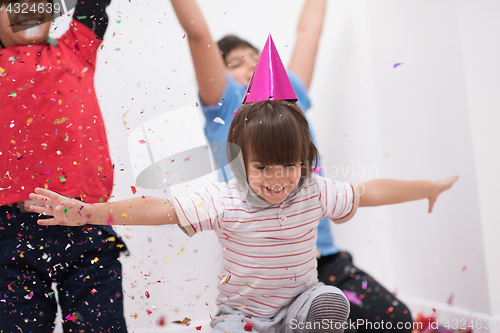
[327, 313]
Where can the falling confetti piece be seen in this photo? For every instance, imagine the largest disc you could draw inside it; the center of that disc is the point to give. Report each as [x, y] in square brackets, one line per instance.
[450, 299]
[13, 94]
[397, 64]
[201, 204]
[133, 315]
[198, 328]
[351, 296]
[184, 36]
[94, 261]
[248, 326]
[219, 121]
[124, 215]
[60, 120]
[318, 170]
[142, 141]
[161, 322]
[464, 268]
[225, 279]
[147, 294]
[134, 190]
[93, 291]
[149, 312]
[184, 321]
[66, 211]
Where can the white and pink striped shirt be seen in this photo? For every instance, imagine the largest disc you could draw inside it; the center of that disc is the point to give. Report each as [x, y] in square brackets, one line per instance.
[269, 250]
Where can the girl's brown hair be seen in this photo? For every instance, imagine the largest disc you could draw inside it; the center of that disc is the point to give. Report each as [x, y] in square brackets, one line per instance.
[272, 133]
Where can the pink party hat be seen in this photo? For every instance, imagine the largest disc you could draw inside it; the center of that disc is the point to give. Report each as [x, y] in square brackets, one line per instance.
[269, 80]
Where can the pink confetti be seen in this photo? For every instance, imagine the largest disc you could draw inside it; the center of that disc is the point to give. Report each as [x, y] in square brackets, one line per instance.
[351, 296]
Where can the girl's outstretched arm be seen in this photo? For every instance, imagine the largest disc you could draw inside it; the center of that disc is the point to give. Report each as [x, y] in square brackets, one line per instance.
[379, 192]
[71, 212]
[308, 34]
[207, 60]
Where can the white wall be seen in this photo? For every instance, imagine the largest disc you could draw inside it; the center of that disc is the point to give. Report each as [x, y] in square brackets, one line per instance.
[429, 118]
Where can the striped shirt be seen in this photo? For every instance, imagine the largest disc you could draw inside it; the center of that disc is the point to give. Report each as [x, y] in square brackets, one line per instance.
[269, 250]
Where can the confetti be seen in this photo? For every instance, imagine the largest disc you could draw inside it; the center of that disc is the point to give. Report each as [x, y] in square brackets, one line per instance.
[134, 190]
[397, 64]
[60, 120]
[351, 296]
[198, 328]
[66, 211]
[147, 294]
[248, 326]
[133, 315]
[184, 321]
[219, 121]
[201, 204]
[225, 279]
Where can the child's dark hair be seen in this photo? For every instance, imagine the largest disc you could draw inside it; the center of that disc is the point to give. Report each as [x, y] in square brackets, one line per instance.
[272, 133]
[231, 42]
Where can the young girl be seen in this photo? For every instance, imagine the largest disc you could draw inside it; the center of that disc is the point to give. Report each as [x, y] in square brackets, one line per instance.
[222, 82]
[266, 220]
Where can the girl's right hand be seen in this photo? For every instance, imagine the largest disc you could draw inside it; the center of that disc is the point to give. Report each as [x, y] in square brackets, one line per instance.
[65, 211]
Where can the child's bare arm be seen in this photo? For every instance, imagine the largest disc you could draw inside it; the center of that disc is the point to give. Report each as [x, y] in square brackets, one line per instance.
[379, 192]
[207, 60]
[308, 34]
[71, 212]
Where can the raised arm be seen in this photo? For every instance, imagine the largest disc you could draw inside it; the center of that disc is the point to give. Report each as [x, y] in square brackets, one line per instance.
[379, 192]
[92, 13]
[308, 34]
[207, 61]
[71, 212]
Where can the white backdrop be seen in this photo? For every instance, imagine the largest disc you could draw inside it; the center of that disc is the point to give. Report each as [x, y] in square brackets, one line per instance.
[433, 116]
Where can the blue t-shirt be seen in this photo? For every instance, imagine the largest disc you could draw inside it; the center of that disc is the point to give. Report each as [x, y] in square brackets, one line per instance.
[216, 131]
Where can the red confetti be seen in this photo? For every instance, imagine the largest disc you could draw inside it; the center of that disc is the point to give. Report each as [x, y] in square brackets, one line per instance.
[389, 310]
[248, 326]
[198, 328]
[161, 322]
[149, 312]
[134, 190]
[147, 294]
[72, 317]
[142, 141]
[450, 299]
[464, 268]
[184, 36]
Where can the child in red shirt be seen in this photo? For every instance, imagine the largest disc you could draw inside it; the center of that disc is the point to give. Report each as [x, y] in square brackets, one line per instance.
[52, 135]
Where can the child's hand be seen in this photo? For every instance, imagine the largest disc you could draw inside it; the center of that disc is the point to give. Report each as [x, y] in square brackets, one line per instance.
[66, 211]
[441, 186]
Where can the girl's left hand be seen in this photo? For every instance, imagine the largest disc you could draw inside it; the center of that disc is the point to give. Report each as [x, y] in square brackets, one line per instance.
[441, 186]
[65, 211]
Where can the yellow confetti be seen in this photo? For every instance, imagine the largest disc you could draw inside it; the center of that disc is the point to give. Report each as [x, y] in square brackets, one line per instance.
[94, 261]
[60, 120]
[165, 260]
[133, 315]
[2, 71]
[124, 214]
[201, 204]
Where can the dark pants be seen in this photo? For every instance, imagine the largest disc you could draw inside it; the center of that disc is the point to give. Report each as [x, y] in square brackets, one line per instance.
[370, 301]
[83, 261]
